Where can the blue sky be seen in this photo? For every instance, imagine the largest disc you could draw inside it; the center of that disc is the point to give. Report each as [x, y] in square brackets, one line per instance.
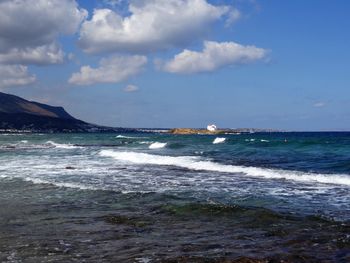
[183, 63]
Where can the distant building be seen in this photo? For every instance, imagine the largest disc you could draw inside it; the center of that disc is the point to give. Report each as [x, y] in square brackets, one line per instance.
[211, 127]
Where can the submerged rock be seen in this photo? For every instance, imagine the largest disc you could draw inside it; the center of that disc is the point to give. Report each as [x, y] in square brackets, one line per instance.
[124, 220]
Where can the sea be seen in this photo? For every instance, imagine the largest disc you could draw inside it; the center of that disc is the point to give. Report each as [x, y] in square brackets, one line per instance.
[157, 197]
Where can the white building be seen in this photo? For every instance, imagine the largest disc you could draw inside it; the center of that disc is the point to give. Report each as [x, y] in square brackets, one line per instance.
[211, 127]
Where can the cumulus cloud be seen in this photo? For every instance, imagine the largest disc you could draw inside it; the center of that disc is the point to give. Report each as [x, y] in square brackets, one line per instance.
[111, 70]
[46, 54]
[29, 29]
[214, 56]
[15, 75]
[131, 88]
[152, 25]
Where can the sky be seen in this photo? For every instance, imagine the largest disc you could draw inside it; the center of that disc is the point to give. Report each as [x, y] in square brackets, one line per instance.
[182, 63]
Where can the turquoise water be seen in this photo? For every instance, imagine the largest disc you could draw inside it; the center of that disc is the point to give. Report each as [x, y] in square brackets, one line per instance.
[150, 197]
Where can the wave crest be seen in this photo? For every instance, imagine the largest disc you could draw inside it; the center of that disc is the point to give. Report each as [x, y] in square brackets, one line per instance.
[157, 145]
[219, 140]
[195, 163]
[62, 145]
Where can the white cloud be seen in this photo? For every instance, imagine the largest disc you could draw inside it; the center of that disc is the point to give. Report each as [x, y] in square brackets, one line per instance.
[214, 56]
[114, 3]
[111, 70]
[131, 88]
[15, 75]
[29, 29]
[233, 16]
[46, 54]
[153, 25]
[319, 104]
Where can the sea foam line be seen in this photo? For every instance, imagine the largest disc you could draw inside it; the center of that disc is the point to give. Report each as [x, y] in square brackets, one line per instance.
[195, 163]
[62, 145]
[61, 184]
[129, 137]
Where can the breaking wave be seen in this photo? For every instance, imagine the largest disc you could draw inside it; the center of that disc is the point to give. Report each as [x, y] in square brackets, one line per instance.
[62, 145]
[196, 163]
[157, 145]
[129, 137]
[219, 140]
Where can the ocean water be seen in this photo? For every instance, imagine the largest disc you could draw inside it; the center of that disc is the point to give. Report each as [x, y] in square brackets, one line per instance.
[154, 197]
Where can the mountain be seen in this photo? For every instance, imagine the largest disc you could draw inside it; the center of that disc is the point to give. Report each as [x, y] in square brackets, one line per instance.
[18, 114]
[12, 104]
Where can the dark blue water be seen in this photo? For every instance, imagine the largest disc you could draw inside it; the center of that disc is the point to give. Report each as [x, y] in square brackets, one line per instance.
[154, 197]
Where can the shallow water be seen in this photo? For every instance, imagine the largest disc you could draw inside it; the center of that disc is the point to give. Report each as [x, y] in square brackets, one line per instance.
[112, 197]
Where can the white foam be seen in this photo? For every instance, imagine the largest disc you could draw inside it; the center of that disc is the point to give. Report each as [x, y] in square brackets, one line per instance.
[219, 140]
[194, 163]
[129, 137]
[145, 142]
[62, 145]
[61, 184]
[157, 145]
[262, 140]
[122, 136]
[250, 140]
[11, 134]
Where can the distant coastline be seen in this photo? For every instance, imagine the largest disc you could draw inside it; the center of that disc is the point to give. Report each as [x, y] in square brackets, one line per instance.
[183, 131]
[18, 115]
